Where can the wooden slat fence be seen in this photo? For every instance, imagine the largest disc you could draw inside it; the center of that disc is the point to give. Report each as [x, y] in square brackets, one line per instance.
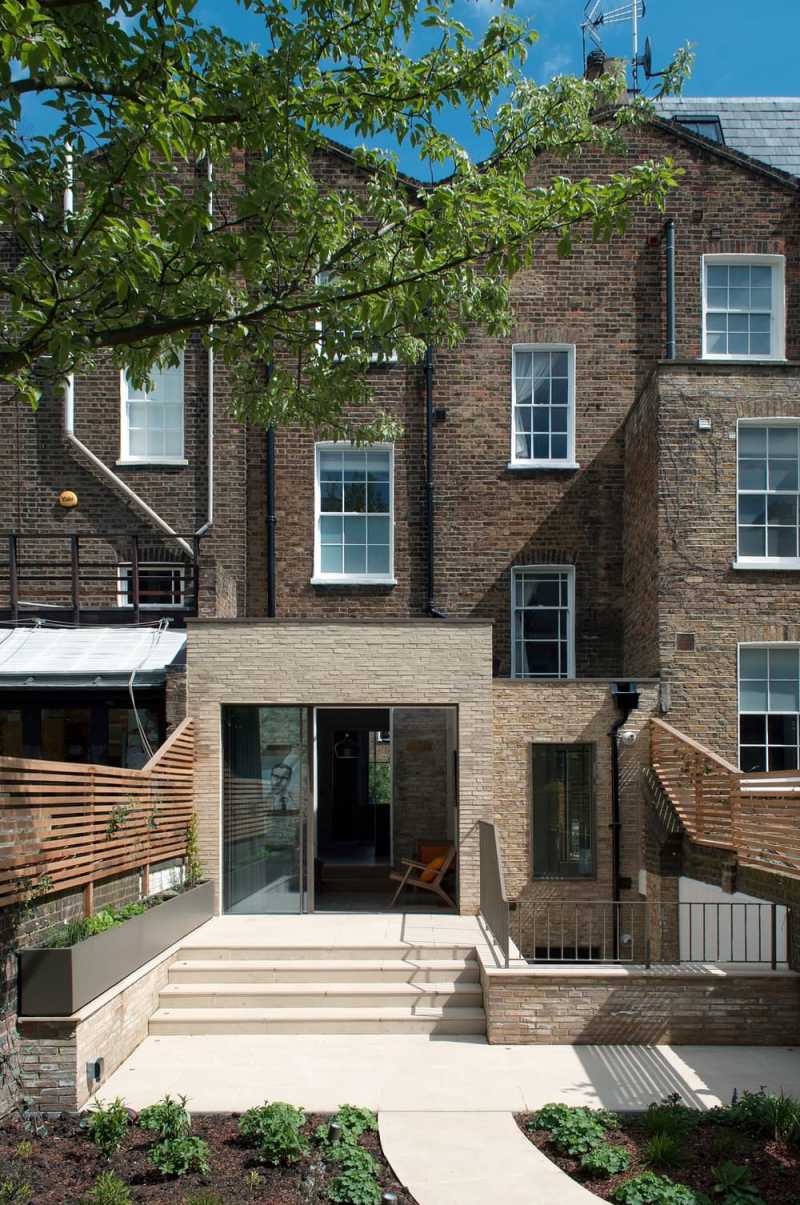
[755, 815]
[73, 824]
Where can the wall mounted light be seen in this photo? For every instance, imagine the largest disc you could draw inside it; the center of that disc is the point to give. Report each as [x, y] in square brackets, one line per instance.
[67, 499]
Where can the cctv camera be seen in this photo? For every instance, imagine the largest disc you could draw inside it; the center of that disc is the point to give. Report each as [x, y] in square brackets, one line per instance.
[628, 737]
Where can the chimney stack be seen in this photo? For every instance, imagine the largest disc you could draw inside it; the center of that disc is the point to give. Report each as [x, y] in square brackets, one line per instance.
[598, 64]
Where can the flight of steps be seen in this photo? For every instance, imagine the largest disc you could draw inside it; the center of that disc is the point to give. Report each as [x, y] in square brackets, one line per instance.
[376, 988]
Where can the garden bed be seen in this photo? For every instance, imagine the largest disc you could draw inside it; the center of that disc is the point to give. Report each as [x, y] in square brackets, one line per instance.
[747, 1153]
[62, 1166]
[57, 980]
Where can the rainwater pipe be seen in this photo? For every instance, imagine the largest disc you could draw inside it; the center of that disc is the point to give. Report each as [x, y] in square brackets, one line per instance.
[669, 239]
[201, 531]
[69, 416]
[626, 698]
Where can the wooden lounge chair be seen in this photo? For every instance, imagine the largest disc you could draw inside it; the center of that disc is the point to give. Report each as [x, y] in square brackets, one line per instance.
[426, 875]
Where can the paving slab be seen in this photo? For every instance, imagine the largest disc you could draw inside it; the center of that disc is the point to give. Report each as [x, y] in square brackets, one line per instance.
[452, 1074]
[471, 1158]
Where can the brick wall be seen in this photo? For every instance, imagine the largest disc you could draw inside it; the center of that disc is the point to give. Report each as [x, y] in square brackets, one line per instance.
[422, 803]
[616, 1006]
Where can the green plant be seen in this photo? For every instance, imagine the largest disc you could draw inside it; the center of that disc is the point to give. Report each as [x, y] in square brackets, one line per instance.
[606, 1160]
[724, 1141]
[732, 1184]
[551, 1116]
[578, 1133]
[669, 1116]
[107, 1126]
[204, 1197]
[108, 1189]
[253, 1180]
[650, 1189]
[275, 1130]
[168, 1118]
[352, 1122]
[356, 1182]
[772, 1115]
[14, 1191]
[194, 868]
[663, 1150]
[24, 1149]
[179, 1156]
[117, 817]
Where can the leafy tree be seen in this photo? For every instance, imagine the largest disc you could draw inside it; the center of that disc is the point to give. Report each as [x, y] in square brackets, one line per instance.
[152, 112]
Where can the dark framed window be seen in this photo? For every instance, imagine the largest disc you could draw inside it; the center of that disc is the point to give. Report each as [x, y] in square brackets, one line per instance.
[706, 126]
[563, 812]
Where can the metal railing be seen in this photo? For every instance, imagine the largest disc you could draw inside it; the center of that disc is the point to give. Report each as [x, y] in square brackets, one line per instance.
[495, 905]
[82, 577]
[643, 932]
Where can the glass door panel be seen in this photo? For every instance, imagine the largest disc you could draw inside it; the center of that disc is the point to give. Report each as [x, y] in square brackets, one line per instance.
[266, 791]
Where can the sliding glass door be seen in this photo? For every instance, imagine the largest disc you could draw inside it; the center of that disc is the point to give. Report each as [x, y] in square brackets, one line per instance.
[266, 793]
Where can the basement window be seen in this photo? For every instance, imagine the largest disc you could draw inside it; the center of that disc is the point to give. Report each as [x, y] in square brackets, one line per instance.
[543, 621]
[769, 707]
[563, 820]
[543, 406]
[354, 527]
[743, 307]
[768, 495]
[160, 586]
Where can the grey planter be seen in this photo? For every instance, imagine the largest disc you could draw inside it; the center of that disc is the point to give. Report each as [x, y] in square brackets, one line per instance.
[56, 983]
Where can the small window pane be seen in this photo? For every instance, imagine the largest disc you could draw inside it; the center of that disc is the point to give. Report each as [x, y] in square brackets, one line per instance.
[331, 495]
[355, 497]
[753, 475]
[558, 447]
[541, 660]
[781, 509]
[718, 275]
[753, 696]
[330, 530]
[752, 440]
[752, 541]
[783, 663]
[753, 760]
[523, 390]
[752, 508]
[782, 474]
[522, 365]
[782, 541]
[753, 729]
[355, 558]
[378, 531]
[782, 729]
[782, 441]
[753, 662]
[331, 558]
[355, 531]
[378, 558]
[378, 497]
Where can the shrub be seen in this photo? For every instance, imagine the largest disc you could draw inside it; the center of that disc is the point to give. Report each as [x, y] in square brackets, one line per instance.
[578, 1133]
[15, 1192]
[168, 1118]
[606, 1160]
[108, 1125]
[551, 1116]
[275, 1130]
[24, 1149]
[650, 1189]
[356, 1182]
[354, 1121]
[108, 1189]
[732, 1184]
[765, 1113]
[669, 1116]
[663, 1150]
[179, 1156]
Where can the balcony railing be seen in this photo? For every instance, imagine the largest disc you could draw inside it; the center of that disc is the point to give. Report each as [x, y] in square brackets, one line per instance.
[102, 577]
[755, 815]
[67, 825]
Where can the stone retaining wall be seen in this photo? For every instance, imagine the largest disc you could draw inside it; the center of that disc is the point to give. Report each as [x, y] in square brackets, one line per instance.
[633, 1006]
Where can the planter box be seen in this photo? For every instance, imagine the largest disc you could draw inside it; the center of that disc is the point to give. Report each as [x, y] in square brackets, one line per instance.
[57, 982]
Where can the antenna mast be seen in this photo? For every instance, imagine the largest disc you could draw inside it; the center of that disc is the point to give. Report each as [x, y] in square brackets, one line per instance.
[594, 17]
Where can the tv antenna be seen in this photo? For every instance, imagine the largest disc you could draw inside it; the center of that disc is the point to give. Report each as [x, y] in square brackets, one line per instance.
[595, 18]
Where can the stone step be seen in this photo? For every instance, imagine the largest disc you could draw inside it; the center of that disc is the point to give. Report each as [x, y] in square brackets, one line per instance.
[248, 996]
[325, 970]
[373, 952]
[188, 1021]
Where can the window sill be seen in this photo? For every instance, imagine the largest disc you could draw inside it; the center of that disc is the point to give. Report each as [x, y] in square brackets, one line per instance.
[517, 466]
[367, 580]
[744, 359]
[765, 563]
[142, 462]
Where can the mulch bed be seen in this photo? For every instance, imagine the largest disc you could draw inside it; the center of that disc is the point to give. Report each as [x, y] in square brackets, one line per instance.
[774, 1167]
[64, 1164]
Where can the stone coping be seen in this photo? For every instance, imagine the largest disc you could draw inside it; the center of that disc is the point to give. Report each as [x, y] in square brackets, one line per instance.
[687, 971]
[387, 621]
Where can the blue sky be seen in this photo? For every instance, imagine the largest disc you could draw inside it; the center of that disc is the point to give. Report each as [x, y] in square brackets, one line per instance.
[742, 47]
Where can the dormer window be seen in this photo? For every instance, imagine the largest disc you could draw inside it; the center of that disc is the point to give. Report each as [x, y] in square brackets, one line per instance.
[706, 125]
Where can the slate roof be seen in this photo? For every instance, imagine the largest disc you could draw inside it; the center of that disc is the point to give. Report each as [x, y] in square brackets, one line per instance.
[764, 127]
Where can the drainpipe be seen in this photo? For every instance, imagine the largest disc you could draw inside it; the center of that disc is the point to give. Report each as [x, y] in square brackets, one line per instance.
[669, 235]
[69, 417]
[626, 697]
[430, 607]
[210, 449]
[272, 519]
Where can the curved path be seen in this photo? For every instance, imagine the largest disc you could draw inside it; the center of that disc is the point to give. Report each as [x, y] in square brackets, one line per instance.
[473, 1159]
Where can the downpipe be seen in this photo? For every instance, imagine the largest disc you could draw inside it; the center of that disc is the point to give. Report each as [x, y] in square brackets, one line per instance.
[430, 606]
[626, 697]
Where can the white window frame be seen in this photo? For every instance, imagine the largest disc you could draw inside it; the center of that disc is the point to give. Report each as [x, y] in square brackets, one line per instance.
[759, 644]
[353, 579]
[125, 594]
[569, 570]
[778, 327]
[125, 456]
[568, 462]
[374, 356]
[761, 562]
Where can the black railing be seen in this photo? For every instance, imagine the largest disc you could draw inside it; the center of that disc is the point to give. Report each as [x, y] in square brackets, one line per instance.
[642, 932]
[99, 577]
[495, 905]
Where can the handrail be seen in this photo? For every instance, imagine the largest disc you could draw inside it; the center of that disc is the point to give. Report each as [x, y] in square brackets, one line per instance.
[495, 906]
[757, 815]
